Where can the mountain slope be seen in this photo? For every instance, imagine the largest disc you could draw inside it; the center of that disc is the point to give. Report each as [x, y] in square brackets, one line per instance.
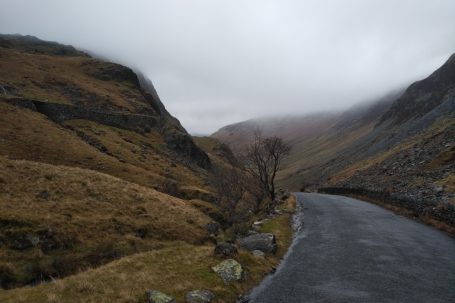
[54, 96]
[93, 168]
[84, 219]
[402, 143]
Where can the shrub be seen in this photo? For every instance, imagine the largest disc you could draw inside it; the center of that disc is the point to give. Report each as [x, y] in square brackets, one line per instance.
[7, 275]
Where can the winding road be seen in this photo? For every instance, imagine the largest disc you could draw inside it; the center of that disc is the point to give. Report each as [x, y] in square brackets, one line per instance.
[353, 251]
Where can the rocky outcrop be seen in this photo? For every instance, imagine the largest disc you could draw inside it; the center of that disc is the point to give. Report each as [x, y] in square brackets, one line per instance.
[31, 44]
[184, 145]
[414, 173]
[136, 105]
[176, 140]
[154, 296]
[60, 113]
[265, 242]
[199, 296]
[230, 271]
[425, 95]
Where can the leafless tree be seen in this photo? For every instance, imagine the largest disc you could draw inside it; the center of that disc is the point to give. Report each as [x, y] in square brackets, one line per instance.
[230, 186]
[263, 159]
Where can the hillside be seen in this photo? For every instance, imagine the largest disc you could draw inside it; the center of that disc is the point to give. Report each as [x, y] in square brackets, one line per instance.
[90, 218]
[55, 99]
[94, 169]
[402, 144]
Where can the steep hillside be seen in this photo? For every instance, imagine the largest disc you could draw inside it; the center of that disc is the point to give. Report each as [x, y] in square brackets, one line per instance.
[61, 106]
[401, 144]
[93, 168]
[315, 138]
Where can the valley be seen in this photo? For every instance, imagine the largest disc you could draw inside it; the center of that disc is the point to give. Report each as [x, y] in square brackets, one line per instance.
[399, 148]
[106, 197]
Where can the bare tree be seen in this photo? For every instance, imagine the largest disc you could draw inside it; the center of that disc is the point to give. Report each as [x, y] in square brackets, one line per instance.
[263, 159]
[230, 186]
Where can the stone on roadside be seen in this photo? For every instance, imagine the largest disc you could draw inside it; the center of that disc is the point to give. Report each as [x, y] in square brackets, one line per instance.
[265, 242]
[230, 271]
[154, 296]
[199, 296]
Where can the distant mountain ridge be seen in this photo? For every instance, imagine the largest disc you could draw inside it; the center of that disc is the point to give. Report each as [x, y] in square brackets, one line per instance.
[358, 147]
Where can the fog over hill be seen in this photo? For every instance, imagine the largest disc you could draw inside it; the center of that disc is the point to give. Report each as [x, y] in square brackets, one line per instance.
[215, 63]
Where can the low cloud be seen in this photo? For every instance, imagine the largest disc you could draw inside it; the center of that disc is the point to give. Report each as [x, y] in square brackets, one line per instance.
[218, 62]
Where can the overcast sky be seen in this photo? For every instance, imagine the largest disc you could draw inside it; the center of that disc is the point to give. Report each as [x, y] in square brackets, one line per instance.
[218, 62]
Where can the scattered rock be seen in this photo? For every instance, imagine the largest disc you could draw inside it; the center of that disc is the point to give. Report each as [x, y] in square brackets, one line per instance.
[225, 249]
[265, 242]
[258, 253]
[230, 271]
[154, 296]
[199, 296]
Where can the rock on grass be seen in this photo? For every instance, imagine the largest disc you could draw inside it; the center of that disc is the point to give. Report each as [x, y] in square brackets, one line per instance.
[230, 271]
[154, 296]
[265, 242]
[199, 296]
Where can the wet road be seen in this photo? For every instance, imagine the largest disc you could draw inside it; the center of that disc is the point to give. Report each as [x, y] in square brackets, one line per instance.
[353, 251]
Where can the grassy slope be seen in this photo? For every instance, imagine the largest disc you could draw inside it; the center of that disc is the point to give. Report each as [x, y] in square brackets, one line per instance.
[65, 79]
[174, 267]
[140, 158]
[83, 218]
[84, 81]
[314, 153]
[86, 191]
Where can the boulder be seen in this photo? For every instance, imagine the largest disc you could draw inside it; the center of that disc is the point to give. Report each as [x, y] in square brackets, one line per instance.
[199, 296]
[225, 249]
[230, 271]
[265, 242]
[154, 296]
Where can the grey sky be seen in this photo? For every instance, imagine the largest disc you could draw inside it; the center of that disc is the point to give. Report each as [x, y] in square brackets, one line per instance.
[218, 62]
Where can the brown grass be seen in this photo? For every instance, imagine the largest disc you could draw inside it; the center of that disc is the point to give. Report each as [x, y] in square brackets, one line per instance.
[174, 269]
[46, 77]
[92, 217]
[139, 158]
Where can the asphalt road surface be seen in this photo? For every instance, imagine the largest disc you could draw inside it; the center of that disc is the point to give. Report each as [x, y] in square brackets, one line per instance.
[353, 251]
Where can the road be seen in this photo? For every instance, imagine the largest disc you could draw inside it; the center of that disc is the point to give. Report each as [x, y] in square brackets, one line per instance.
[353, 251]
